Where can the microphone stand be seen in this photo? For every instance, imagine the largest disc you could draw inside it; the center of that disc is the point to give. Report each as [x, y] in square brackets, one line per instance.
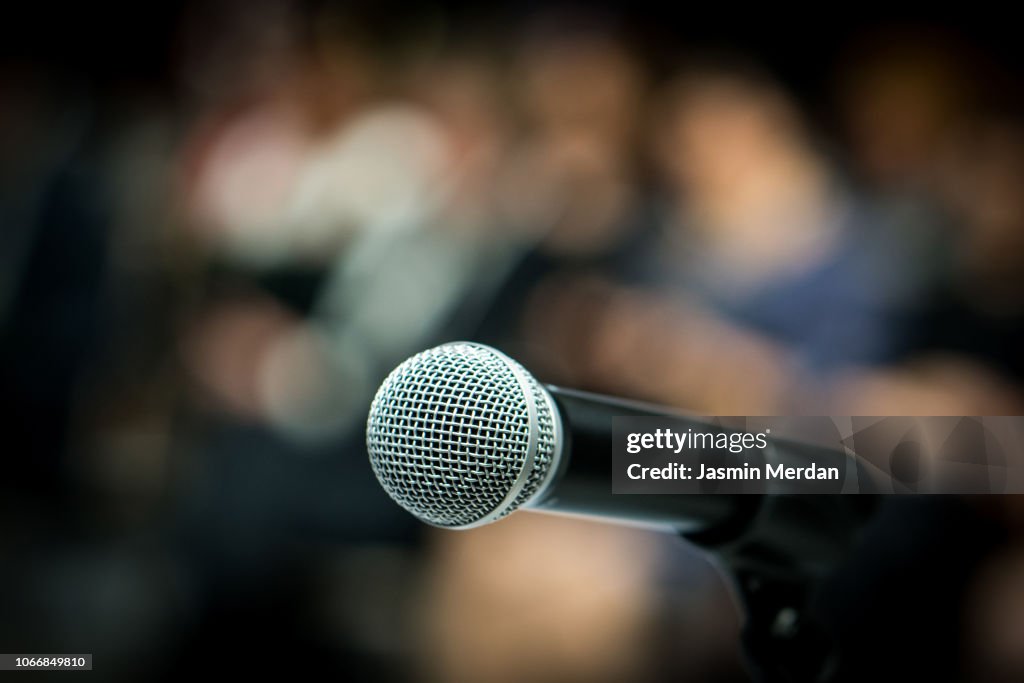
[778, 574]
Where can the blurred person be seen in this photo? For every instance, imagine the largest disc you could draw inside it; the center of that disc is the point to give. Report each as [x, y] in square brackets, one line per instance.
[930, 123]
[783, 287]
[324, 248]
[569, 192]
[980, 180]
[392, 208]
[767, 272]
[572, 187]
[965, 349]
[903, 96]
[390, 212]
[580, 94]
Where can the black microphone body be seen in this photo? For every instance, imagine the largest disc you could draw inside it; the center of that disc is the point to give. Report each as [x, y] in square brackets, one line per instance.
[784, 533]
[461, 435]
[583, 485]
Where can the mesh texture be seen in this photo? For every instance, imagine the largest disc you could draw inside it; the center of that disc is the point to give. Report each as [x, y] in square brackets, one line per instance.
[449, 431]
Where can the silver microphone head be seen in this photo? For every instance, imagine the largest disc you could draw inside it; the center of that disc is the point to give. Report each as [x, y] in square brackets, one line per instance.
[461, 435]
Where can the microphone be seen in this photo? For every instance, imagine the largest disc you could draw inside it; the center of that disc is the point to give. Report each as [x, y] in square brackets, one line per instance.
[461, 435]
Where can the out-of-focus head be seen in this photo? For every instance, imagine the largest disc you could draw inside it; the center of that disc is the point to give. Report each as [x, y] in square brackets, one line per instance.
[901, 96]
[463, 90]
[982, 180]
[579, 92]
[742, 173]
[576, 77]
[720, 124]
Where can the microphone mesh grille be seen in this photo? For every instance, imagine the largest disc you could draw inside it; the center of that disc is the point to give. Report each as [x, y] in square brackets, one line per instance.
[449, 430]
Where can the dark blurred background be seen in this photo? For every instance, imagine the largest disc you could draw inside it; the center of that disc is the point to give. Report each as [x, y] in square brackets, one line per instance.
[222, 223]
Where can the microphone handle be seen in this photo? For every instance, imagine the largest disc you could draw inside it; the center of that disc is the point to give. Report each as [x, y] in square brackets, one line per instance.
[806, 533]
[584, 484]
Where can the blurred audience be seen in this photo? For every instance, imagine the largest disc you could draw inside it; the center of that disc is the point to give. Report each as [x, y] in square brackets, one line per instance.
[206, 277]
[766, 272]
